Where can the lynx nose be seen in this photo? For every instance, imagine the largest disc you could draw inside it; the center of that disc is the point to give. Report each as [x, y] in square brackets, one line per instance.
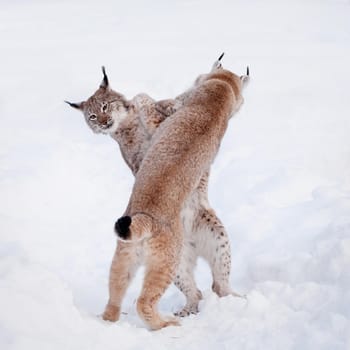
[102, 119]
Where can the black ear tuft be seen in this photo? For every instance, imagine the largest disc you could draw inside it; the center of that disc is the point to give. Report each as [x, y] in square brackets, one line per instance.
[105, 82]
[75, 105]
[221, 56]
[121, 227]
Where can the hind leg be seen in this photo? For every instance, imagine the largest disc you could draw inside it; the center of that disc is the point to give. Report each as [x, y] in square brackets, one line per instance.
[163, 253]
[216, 250]
[185, 281]
[124, 265]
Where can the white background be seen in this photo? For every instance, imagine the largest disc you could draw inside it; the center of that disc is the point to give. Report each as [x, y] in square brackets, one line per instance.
[280, 182]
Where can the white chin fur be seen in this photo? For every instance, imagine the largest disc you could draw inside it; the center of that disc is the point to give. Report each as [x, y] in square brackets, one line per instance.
[117, 117]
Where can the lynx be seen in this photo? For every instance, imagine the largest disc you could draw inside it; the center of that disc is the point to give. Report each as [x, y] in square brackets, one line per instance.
[132, 124]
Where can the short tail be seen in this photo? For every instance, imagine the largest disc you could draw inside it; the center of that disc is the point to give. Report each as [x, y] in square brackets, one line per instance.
[122, 227]
[136, 227]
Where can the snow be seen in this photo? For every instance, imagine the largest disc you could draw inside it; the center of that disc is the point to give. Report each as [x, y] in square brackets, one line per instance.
[280, 182]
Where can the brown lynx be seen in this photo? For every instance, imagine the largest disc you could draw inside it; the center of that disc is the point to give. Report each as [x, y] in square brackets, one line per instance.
[107, 111]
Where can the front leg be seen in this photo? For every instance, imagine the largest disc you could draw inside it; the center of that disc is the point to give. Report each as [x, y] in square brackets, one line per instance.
[150, 116]
[166, 107]
[170, 106]
[153, 113]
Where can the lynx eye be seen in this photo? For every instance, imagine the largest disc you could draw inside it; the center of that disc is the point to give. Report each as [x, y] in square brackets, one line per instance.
[92, 117]
[104, 107]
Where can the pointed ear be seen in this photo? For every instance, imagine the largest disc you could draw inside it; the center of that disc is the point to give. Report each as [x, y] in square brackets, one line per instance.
[217, 64]
[76, 105]
[245, 78]
[105, 82]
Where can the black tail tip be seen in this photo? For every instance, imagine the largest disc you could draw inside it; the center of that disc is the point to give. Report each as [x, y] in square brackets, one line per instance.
[121, 227]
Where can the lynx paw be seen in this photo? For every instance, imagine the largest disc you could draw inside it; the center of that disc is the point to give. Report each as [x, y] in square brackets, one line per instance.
[187, 310]
[171, 321]
[165, 107]
[237, 295]
[162, 323]
[111, 313]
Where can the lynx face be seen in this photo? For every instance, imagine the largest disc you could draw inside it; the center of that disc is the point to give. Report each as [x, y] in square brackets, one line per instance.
[105, 109]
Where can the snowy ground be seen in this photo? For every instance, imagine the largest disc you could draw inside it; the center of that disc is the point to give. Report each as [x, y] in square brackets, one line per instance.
[280, 182]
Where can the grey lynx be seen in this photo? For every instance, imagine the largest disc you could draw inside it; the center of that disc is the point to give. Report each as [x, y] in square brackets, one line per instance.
[168, 199]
